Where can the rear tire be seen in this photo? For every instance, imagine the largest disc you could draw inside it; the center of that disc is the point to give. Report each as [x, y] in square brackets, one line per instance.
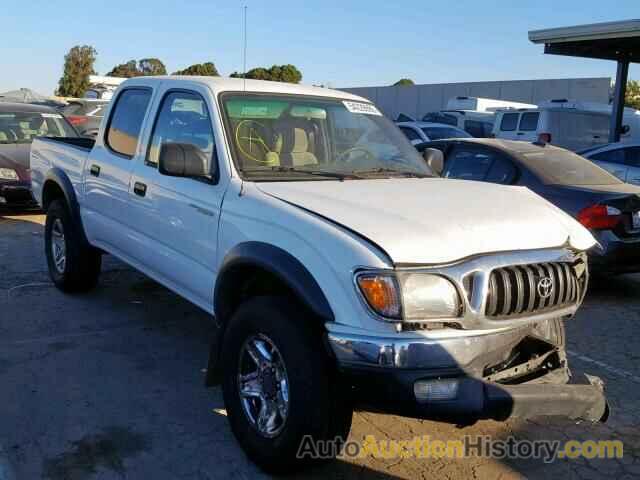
[317, 407]
[73, 265]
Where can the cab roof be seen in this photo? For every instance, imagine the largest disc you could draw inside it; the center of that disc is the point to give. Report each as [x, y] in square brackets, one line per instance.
[223, 84]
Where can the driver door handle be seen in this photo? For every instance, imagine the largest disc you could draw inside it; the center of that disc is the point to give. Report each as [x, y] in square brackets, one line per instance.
[140, 189]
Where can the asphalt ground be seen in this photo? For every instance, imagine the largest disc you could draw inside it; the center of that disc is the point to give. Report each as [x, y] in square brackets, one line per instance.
[109, 385]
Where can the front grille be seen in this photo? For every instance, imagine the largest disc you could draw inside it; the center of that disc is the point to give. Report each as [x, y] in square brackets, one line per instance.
[525, 289]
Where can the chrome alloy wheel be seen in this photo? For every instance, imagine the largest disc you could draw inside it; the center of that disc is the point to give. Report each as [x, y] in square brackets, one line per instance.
[263, 385]
[58, 246]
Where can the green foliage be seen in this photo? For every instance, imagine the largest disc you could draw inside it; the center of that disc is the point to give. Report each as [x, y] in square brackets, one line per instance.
[145, 67]
[125, 70]
[632, 95]
[78, 65]
[277, 73]
[207, 69]
[404, 82]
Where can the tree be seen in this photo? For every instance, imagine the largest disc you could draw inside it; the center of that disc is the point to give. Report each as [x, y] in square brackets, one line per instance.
[277, 73]
[125, 70]
[403, 82]
[207, 69]
[632, 95]
[78, 65]
[145, 67]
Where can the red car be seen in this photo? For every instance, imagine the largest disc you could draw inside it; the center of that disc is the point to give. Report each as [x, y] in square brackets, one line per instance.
[19, 124]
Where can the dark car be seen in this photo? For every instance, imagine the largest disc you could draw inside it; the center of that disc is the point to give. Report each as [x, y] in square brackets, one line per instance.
[19, 124]
[608, 207]
[85, 115]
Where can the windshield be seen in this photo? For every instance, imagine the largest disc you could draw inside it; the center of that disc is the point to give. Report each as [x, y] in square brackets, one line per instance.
[557, 166]
[23, 127]
[438, 133]
[299, 137]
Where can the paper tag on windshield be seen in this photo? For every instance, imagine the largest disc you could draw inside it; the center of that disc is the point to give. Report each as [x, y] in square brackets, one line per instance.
[360, 107]
[51, 115]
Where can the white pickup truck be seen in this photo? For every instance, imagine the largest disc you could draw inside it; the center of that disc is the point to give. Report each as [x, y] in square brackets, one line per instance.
[339, 269]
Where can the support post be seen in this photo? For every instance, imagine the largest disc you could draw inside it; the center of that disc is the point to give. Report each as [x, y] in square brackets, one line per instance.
[618, 101]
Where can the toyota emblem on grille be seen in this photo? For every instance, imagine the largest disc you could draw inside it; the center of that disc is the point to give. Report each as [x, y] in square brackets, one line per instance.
[545, 287]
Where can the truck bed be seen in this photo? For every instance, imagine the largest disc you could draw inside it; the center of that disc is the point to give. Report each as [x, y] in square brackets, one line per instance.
[66, 154]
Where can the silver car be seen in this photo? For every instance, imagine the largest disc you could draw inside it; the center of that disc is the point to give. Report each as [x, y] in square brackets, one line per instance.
[620, 159]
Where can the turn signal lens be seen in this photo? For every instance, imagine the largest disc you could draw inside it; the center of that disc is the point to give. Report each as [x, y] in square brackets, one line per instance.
[381, 293]
[600, 217]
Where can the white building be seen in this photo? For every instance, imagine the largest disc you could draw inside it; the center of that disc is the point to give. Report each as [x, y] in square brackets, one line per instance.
[416, 100]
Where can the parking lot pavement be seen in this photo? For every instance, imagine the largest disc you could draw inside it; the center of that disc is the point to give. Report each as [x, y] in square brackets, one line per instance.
[110, 385]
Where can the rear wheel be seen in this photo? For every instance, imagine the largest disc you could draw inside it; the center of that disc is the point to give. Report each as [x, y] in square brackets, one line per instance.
[73, 266]
[279, 388]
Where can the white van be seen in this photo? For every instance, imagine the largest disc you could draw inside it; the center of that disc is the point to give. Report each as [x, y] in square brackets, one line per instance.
[480, 104]
[568, 124]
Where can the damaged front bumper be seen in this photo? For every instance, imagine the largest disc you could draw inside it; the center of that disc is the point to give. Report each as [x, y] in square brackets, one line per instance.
[521, 373]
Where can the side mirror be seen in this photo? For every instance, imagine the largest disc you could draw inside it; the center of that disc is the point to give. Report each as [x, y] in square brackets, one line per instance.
[182, 160]
[435, 159]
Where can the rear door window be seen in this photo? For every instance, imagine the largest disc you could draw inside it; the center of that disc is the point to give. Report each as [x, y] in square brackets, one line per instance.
[632, 156]
[509, 122]
[123, 131]
[481, 164]
[611, 156]
[410, 133]
[468, 164]
[529, 121]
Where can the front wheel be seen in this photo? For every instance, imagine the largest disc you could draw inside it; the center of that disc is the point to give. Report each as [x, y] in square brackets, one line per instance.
[280, 392]
[73, 266]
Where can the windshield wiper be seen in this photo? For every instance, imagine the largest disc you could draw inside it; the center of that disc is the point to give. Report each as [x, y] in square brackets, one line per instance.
[318, 173]
[404, 173]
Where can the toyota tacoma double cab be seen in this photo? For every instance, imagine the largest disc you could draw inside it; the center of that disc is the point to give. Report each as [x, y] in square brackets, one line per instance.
[339, 268]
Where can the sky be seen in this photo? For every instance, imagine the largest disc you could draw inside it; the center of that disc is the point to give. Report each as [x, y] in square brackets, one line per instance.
[335, 43]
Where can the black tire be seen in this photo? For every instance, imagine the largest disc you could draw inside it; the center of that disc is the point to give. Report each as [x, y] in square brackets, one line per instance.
[81, 268]
[319, 406]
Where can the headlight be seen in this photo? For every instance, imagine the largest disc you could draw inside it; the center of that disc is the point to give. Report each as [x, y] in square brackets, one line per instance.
[409, 296]
[428, 296]
[8, 174]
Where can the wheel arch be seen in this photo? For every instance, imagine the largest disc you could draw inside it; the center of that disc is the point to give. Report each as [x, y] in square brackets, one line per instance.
[257, 268]
[58, 186]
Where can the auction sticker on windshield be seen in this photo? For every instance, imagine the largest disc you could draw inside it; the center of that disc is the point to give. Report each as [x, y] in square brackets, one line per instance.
[360, 107]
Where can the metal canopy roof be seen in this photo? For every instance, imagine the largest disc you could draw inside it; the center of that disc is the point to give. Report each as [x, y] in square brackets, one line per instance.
[609, 41]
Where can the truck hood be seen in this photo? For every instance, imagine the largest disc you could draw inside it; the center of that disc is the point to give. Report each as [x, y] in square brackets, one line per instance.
[435, 220]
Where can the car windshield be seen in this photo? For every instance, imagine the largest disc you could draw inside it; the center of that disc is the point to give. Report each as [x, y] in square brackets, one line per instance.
[306, 138]
[438, 133]
[556, 166]
[23, 127]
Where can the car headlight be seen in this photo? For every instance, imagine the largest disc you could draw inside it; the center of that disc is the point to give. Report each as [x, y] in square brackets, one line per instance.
[8, 174]
[427, 296]
[409, 296]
